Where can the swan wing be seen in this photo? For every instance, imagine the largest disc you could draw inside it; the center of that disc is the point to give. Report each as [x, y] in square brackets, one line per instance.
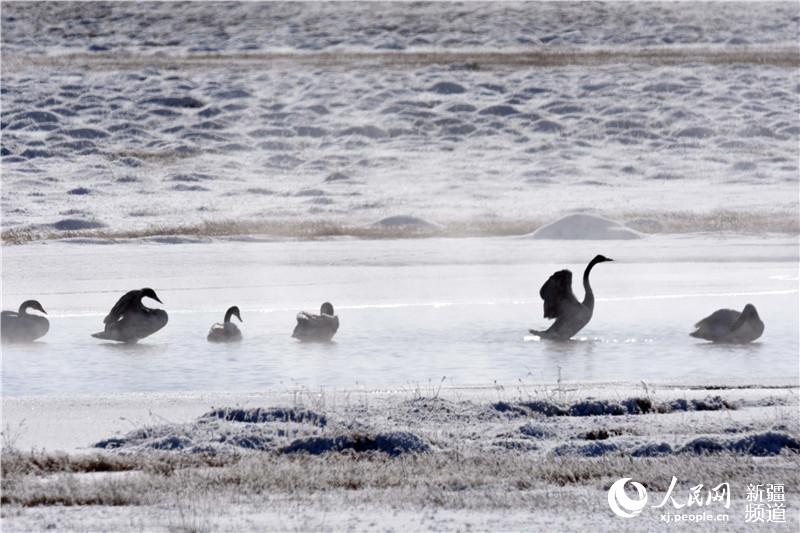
[315, 327]
[25, 328]
[135, 326]
[127, 300]
[224, 333]
[722, 318]
[717, 325]
[557, 294]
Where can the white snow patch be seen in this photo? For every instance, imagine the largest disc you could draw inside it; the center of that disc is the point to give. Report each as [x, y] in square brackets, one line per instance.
[588, 227]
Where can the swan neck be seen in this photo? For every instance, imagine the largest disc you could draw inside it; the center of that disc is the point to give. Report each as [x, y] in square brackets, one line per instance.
[228, 315]
[588, 300]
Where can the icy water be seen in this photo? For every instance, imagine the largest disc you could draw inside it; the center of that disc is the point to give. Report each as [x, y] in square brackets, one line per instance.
[412, 312]
[311, 118]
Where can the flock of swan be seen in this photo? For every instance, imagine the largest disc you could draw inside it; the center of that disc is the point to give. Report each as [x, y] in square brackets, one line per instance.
[130, 320]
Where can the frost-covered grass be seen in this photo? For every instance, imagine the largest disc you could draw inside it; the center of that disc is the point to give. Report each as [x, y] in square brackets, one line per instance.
[500, 483]
[453, 479]
[507, 464]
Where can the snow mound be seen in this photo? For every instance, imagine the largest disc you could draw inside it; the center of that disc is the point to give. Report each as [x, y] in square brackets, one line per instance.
[405, 221]
[588, 227]
[759, 444]
[77, 224]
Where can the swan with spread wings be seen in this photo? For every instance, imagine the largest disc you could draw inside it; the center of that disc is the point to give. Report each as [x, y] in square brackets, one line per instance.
[129, 319]
[560, 303]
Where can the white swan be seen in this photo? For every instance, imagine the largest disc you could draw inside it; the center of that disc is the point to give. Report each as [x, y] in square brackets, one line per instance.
[227, 331]
[21, 326]
[317, 328]
[729, 326]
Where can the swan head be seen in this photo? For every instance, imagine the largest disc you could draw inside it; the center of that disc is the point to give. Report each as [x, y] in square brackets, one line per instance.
[750, 311]
[601, 259]
[326, 309]
[31, 304]
[147, 292]
[233, 311]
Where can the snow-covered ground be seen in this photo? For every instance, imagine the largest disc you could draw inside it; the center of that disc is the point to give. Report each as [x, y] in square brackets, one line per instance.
[433, 458]
[177, 129]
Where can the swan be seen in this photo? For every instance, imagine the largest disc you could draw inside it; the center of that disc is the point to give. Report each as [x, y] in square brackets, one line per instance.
[227, 331]
[729, 326]
[129, 320]
[22, 327]
[560, 303]
[317, 328]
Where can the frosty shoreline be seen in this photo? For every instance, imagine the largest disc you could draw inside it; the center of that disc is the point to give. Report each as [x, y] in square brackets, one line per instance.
[320, 459]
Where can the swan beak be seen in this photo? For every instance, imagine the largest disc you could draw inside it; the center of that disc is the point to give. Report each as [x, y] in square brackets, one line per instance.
[609, 259]
[156, 299]
[42, 310]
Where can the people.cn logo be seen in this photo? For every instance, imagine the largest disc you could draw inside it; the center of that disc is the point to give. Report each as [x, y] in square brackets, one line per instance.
[621, 504]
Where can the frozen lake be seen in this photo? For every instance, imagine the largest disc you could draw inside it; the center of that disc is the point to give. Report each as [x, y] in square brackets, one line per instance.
[412, 312]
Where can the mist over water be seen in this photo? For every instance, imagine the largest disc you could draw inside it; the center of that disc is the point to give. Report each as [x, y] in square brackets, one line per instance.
[412, 312]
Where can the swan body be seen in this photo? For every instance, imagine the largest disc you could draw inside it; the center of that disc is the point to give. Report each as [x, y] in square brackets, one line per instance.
[317, 328]
[227, 330]
[23, 327]
[129, 320]
[560, 303]
[729, 326]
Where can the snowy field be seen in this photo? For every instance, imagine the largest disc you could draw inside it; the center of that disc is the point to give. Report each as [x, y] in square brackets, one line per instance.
[420, 166]
[435, 458]
[672, 117]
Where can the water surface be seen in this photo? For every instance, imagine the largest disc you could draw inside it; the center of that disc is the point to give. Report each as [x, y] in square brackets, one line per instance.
[412, 312]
